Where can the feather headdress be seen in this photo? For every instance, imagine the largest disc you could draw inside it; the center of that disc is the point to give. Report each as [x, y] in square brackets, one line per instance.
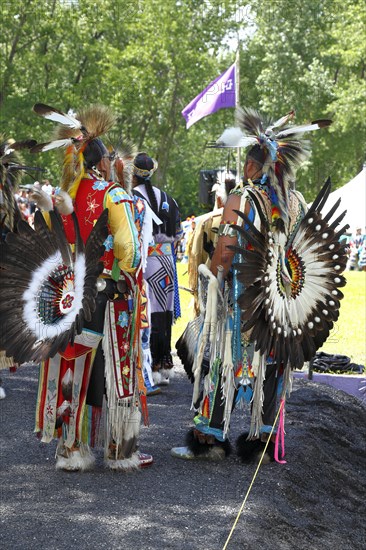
[10, 161]
[284, 146]
[75, 132]
[11, 169]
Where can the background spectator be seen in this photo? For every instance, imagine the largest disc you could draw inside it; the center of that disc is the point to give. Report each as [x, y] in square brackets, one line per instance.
[47, 187]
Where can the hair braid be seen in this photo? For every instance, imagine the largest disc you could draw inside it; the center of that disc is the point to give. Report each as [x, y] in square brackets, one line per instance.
[151, 197]
[150, 192]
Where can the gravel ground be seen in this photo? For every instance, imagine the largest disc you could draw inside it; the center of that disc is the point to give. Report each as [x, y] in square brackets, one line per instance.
[316, 500]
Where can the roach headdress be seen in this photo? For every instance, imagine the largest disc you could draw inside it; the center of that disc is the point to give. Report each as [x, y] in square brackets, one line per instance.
[79, 134]
[283, 145]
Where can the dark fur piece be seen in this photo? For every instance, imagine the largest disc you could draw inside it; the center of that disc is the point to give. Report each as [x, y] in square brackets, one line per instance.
[247, 449]
[198, 448]
[185, 357]
[270, 450]
[252, 449]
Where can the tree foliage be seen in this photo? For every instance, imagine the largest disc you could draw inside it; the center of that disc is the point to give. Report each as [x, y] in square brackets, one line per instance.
[147, 59]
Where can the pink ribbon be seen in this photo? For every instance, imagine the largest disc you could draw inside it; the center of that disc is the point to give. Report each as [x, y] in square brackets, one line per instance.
[280, 434]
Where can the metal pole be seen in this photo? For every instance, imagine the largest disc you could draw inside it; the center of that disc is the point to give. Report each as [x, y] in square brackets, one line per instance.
[237, 103]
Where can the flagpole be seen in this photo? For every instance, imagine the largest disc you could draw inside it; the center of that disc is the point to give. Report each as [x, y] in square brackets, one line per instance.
[237, 103]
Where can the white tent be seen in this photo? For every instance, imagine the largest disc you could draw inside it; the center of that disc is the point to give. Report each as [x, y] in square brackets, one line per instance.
[353, 199]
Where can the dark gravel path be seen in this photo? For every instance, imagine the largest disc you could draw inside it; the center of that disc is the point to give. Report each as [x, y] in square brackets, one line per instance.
[316, 500]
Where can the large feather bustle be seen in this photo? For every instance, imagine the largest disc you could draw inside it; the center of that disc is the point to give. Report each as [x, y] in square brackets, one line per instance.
[52, 298]
[292, 295]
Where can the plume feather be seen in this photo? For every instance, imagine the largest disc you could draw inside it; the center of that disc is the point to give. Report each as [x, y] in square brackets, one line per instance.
[281, 121]
[48, 146]
[50, 113]
[234, 137]
[316, 125]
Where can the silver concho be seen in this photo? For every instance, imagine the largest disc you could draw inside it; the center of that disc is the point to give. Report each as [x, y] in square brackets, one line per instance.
[101, 284]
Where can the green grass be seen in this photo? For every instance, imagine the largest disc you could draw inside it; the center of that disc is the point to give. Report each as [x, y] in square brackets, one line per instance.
[186, 303]
[348, 336]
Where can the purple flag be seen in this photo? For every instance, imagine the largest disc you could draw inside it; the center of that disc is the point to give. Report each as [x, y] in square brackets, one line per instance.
[220, 93]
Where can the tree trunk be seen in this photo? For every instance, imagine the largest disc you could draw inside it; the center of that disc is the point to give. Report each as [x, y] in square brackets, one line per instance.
[168, 137]
[13, 52]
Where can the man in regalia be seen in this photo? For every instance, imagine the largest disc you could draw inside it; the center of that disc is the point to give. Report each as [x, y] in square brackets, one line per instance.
[93, 390]
[270, 298]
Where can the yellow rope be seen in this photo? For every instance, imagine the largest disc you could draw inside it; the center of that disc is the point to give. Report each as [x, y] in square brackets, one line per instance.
[252, 482]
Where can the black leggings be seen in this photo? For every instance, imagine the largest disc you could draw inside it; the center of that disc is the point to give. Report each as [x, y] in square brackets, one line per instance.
[160, 338]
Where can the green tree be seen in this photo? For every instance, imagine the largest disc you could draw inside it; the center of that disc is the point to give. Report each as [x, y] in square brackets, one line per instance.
[147, 59]
[309, 55]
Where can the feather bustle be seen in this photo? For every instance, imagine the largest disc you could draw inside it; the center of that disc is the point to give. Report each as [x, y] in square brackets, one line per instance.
[291, 332]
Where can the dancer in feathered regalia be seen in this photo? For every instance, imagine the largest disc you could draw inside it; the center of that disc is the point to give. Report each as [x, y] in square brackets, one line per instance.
[11, 170]
[98, 349]
[271, 297]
